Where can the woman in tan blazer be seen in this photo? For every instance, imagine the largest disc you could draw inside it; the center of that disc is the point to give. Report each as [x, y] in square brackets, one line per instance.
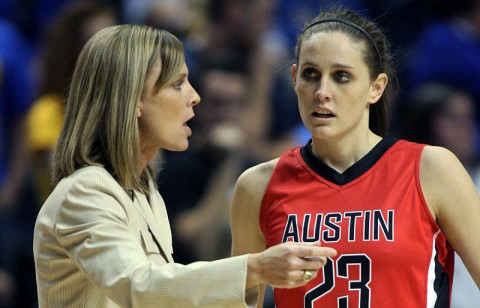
[102, 239]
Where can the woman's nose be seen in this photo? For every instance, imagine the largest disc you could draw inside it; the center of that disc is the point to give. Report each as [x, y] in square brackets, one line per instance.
[323, 94]
[195, 97]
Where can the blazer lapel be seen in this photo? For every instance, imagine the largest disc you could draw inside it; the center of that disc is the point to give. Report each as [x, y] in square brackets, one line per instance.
[162, 223]
[155, 216]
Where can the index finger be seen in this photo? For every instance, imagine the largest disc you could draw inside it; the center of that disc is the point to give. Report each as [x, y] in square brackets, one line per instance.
[306, 250]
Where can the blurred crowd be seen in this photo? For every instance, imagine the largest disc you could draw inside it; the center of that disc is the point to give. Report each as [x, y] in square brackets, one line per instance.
[239, 54]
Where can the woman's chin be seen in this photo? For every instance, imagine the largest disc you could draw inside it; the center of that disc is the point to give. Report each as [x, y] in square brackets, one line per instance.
[179, 146]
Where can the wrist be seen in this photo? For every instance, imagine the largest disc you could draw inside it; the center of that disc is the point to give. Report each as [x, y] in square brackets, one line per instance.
[253, 275]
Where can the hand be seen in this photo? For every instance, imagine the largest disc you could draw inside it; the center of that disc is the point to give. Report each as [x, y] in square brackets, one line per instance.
[283, 266]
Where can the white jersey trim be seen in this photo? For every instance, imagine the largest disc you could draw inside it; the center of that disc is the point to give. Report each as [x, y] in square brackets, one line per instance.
[431, 294]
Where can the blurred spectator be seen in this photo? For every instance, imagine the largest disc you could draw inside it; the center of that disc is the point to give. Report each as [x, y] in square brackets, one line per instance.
[402, 19]
[7, 285]
[228, 35]
[31, 16]
[292, 15]
[448, 50]
[15, 99]
[7, 289]
[60, 46]
[180, 17]
[15, 212]
[232, 63]
[443, 115]
[200, 219]
[26, 129]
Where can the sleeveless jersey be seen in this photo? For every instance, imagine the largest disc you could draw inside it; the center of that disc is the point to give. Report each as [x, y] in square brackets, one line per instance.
[391, 252]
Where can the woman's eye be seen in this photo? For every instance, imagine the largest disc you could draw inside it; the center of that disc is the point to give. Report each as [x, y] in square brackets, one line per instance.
[342, 76]
[309, 74]
[178, 84]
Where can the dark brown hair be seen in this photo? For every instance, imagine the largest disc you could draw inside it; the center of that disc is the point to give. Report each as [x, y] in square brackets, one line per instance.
[376, 55]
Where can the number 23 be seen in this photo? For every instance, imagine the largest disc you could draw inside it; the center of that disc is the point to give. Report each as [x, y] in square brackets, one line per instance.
[342, 265]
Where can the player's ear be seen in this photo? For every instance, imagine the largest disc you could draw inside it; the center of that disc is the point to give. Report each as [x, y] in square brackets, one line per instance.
[294, 70]
[377, 88]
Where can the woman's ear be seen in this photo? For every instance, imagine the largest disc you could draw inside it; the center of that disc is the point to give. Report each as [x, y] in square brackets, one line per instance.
[139, 109]
[377, 88]
[294, 75]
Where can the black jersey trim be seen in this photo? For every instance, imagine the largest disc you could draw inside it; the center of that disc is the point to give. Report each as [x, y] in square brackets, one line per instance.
[441, 285]
[354, 171]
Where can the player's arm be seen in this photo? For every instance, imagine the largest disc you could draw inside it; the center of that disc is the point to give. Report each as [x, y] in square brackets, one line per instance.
[454, 202]
[245, 212]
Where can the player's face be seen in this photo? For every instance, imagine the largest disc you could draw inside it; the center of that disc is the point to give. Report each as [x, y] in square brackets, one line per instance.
[163, 114]
[333, 85]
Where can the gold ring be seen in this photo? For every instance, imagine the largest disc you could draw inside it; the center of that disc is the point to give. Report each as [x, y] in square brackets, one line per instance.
[307, 276]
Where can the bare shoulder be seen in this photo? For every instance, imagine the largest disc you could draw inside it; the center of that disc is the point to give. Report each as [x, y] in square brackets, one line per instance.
[250, 190]
[438, 166]
[245, 208]
[438, 159]
[256, 178]
[443, 179]
[454, 202]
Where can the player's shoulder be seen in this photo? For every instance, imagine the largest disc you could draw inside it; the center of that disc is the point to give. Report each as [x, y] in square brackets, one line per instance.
[262, 168]
[438, 159]
[257, 176]
[440, 170]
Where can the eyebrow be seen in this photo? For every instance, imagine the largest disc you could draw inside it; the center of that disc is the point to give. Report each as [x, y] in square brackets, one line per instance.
[181, 76]
[335, 65]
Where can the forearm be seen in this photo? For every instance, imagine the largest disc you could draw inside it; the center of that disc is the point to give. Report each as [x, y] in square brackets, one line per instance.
[207, 284]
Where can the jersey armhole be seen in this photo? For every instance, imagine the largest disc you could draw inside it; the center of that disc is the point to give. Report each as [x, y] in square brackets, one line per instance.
[263, 217]
[426, 209]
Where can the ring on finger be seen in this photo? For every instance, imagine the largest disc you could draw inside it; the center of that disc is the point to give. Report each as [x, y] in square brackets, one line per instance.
[307, 276]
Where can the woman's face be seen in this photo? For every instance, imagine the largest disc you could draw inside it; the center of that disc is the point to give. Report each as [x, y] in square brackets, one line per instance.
[163, 114]
[333, 85]
[454, 127]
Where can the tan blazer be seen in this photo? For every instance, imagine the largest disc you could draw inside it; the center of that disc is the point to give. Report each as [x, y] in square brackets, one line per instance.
[97, 245]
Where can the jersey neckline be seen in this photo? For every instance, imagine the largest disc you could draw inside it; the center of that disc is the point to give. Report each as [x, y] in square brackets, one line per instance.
[354, 171]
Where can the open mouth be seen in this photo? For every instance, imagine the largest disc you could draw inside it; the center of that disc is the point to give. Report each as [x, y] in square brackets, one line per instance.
[188, 121]
[323, 115]
[186, 124]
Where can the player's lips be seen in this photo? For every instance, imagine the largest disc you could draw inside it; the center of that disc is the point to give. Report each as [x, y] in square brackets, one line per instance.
[323, 113]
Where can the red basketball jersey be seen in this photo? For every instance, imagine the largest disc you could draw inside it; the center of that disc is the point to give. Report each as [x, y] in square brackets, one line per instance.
[391, 253]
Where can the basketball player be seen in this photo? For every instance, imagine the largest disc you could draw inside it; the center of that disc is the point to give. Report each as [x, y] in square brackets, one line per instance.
[394, 210]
